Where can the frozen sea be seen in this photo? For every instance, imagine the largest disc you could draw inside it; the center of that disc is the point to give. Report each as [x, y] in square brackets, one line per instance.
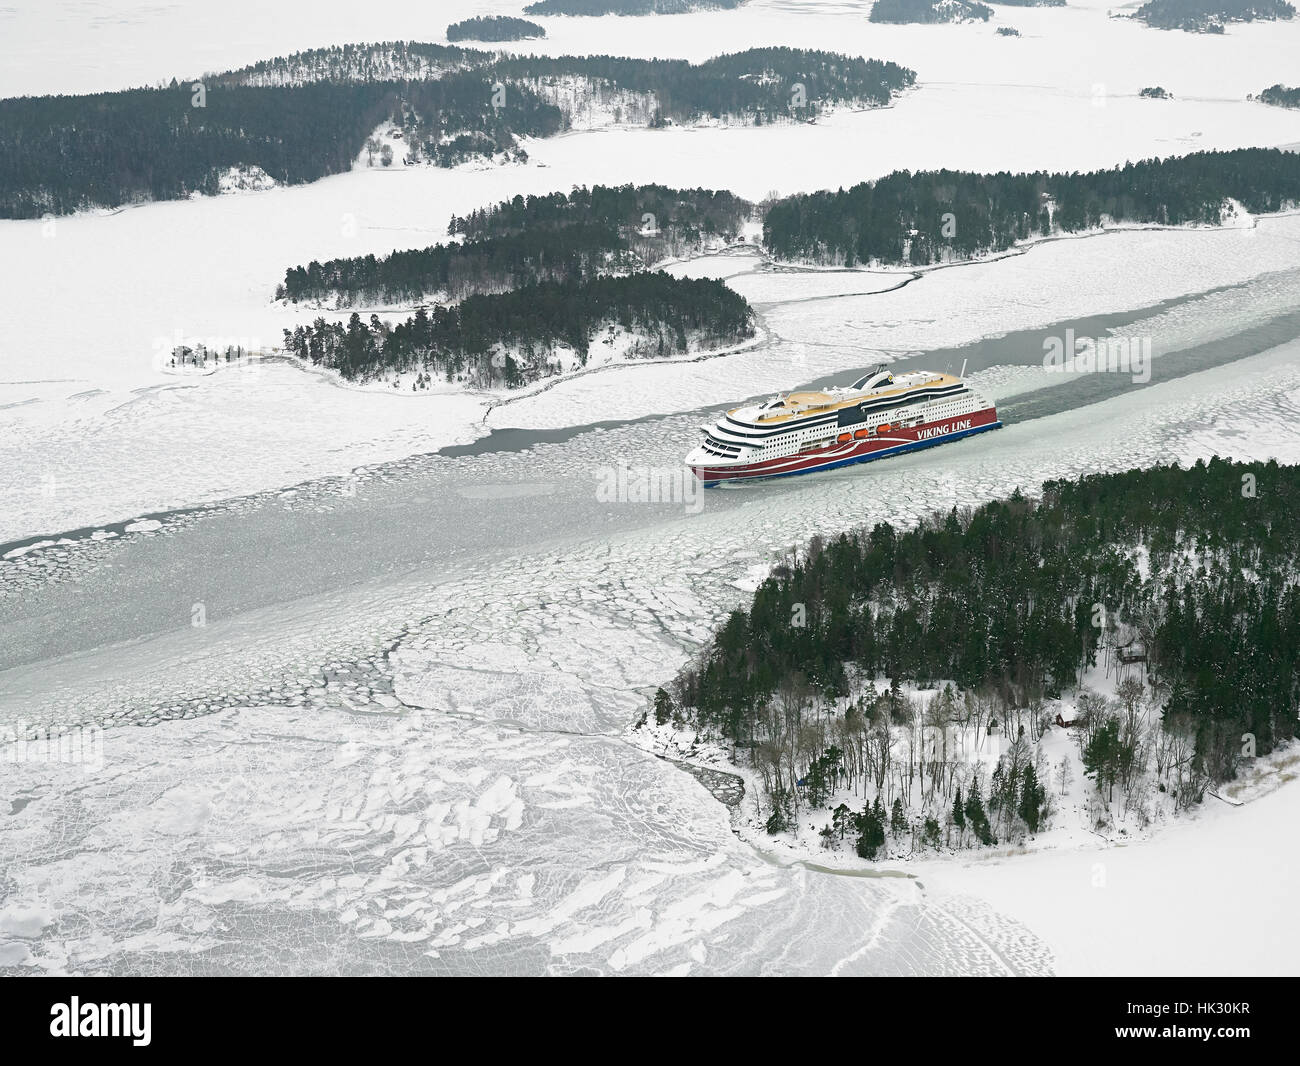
[352, 702]
[395, 744]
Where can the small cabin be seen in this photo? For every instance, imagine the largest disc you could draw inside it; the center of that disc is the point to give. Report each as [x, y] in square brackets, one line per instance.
[1132, 652]
[1067, 717]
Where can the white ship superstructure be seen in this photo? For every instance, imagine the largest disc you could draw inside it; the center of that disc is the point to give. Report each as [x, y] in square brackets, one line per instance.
[880, 414]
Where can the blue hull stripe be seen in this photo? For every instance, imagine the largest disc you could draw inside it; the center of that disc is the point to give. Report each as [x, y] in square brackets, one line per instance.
[884, 453]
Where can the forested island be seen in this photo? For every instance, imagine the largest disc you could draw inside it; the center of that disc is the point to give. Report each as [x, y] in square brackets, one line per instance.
[60, 154]
[511, 339]
[1280, 96]
[938, 216]
[927, 11]
[302, 117]
[626, 7]
[556, 237]
[757, 85]
[494, 28]
[1180, 581]
[665, 221]
[528, 293]
[377, 62]
[450, 272]
[1210, 16]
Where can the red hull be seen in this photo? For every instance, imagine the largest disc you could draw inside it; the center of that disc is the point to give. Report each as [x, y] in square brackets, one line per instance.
[855, 451]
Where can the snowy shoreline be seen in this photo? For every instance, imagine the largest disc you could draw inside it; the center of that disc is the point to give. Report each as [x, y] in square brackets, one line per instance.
[628, 605]
[693, 752]
[237, 414]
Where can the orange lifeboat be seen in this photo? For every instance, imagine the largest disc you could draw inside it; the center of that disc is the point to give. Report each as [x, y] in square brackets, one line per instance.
[884, 427]
[844, 438]
[860, 434]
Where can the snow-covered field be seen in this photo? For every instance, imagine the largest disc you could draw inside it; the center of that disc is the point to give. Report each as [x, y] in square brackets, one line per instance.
[1165, 906]
[421, 768]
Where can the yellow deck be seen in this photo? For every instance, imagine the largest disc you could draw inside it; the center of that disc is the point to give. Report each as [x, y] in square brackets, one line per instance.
[806, 404]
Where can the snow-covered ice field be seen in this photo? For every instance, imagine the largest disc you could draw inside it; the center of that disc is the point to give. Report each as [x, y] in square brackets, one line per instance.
[82, 386]
[395, 742]
[97, 434]
[1107, 912]
[511, 658]
[101, 45]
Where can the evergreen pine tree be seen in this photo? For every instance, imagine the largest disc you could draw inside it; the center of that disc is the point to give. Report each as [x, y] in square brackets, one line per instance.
[897, 818]
[959, 816]
[1031, 799]
[663, 707]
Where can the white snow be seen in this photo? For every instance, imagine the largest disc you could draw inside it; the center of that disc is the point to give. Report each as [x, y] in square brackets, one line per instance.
[485, 819]
[386, 136]
[572, 637]
[245, 179]
[208, 268]
[1166, 906]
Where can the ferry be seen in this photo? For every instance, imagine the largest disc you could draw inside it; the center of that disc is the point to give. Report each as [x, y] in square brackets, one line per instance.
[880, 414]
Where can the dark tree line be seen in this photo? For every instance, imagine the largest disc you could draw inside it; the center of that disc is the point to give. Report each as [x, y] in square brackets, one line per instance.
[382, 61]
[1280, 96]
[511, 338]
[1209, 16]
[494, 28]
[687, 90]
[930, 11]
[684, 216]
[761, 84]
[463, 115]
[932, 216]
[305, 116]
[538, 238]
[454, 271]
[1004, 599]
[59, 154]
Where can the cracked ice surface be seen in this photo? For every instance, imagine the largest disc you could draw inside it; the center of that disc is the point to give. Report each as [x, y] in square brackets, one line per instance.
[298, 818]
[609, 614]
[492, 831]
[1232, 276]
[308, 841]
[620, 612]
